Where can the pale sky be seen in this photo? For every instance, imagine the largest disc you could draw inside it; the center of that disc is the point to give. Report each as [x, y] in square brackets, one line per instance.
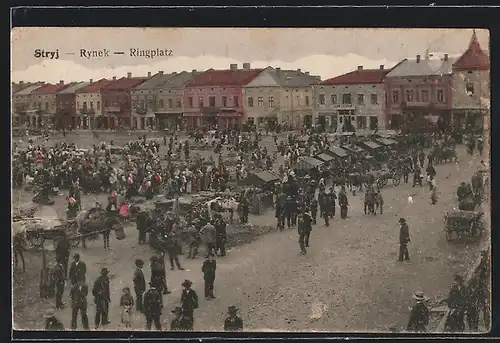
[326, 52]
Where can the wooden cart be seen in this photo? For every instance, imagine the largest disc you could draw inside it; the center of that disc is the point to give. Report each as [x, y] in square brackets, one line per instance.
[464, 225]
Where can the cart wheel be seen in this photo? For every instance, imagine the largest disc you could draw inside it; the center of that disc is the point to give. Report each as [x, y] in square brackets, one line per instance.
[37, 241]
[75, 243]
[385, 181]
[396, 179]
[380, 183]
[448, 235]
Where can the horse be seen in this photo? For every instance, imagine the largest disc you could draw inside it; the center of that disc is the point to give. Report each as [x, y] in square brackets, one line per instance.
[223, 205]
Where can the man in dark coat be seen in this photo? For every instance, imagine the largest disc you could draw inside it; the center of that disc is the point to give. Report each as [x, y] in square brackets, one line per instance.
[158, 275]
[77, 270]
[179, 323]
[404, 238]
[419, 316]
[233, 323]
[142, 226]
[58, 277]
[314, 209]
[208, 268]
[333, 199]
[173, 250]
[288, 211]
[457, 302]
[306, 217]
[51, 322]
[139, 284]
[152, 307]
[302, 230]
[19, 249]
[102, 298]
[220, 236]
[343, 203]
[472, 304]
[62, 252]
[78, 296]
[189, 301]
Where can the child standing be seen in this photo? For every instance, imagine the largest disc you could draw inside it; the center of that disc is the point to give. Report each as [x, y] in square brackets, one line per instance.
[127, 303]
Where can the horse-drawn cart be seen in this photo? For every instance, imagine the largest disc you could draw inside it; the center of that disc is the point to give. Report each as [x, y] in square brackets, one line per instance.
[37, 230]
[382, 177]
[464, 224]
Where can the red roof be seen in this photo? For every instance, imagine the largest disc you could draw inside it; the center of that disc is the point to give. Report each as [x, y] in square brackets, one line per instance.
[50, 89]
[95, 86]
[125, 83]
[474, 58]
[358, 77]
[225, 78]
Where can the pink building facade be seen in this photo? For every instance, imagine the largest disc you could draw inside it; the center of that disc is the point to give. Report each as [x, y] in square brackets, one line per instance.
[419, 87]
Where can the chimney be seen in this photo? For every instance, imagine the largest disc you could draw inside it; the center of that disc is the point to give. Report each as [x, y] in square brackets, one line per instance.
[278, 70]
[114, 78]
[299, 70]
[233, 66]
[149, 74]
[129, 75]
[91, 81]
[246, 66]
[21, 83]
[160, 72]
[61, 82]
[418, 58]
[360, 68]
[307, 73]
[381, 67]
[193, 71]
[446, 57]
[174, 73]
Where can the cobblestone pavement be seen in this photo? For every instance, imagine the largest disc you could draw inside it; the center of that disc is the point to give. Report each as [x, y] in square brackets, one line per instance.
[349, 280]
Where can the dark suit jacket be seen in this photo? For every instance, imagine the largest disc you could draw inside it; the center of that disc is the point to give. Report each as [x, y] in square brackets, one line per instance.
[189, 299]
[139, 281]
[79, 297]
[77, 272]
[100, 291]
[208, 269]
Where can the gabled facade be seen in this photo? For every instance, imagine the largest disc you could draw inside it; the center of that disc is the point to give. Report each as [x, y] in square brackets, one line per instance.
[43, 102]
[355, 100]
[280, 96]
[66, 108]
[471, 87]
[419, 87]
[117, 102]
[21, 105]
[89, 103]
[215, 97]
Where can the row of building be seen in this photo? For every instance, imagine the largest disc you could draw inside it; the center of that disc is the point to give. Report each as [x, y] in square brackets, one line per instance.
[449, 89]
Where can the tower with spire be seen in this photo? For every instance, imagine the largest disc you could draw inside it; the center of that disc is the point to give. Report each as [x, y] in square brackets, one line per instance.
[471, 86]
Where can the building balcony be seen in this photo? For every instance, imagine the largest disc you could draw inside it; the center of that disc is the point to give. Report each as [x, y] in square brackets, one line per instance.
[86, 111]
[114, 109]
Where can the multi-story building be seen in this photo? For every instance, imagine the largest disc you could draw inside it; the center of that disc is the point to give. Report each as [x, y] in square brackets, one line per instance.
[283, 96]
[117, 102]
[419, 87]
[89, 104]
[21, 105]
[170, 107]
[352, 101]
[471, 86]
[145, 100]
[66, 107]
[215, 97]
[43, 101]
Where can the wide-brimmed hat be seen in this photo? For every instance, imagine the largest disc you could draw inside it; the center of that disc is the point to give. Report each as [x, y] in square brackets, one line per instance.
[419, 296]
[49, 313]
[177, 309]
[186, 283]
[232, 309]
[402, 220]
[77, 255]
[104, 271]
[139, 262]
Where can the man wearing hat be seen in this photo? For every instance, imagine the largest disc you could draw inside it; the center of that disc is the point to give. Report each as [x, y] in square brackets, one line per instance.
[63, 249]
[77, 270]
[233, 323]
[419, 316]
[51, 322]
[456, 302]
[189, 301]
[179, 323]
[404, 238]
[102, 298]
[139, 284]
[152, 307]
[58, 277]
[78, 296]
[208, 268]
[343, 203]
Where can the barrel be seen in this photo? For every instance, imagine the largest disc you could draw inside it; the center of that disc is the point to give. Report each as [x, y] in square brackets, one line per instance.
[119, 232]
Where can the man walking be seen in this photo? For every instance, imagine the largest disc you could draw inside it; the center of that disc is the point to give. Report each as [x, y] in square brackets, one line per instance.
[78, 296]
[62, 252]
[419, 317]
[139, 284]
[101, 298]
[19, 249]
[404, 238]
[343, 203]
[208, 269]
[77, 270]
[233, 323]
[189, 301]
[58, 277]
[152, 307]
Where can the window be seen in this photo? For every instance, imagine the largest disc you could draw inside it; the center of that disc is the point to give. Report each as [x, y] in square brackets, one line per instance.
[200, 101]
[178, 103]
[211, 101]
[78, 105]
[142, 104]
[440, 95]
[250, 101]
[469, 89]
[150, 103]
[161, 103]
[374, 99]
[373, 122]
[98, 105]
[105, 103]
[307, 100]
[425, 95]
[46, 105]
[236, 101]
[361, 121]
[409, 95]
[53, 105]
[361, 99]
[395, 96]
[346, 99]
[297, 101]
[91, 105]
[334, 99]
[190, 101]
[85, 105]
[224, 101]
[170, 103]
[260, 101]
[271, 101]
[286, 101]
[321, 99]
